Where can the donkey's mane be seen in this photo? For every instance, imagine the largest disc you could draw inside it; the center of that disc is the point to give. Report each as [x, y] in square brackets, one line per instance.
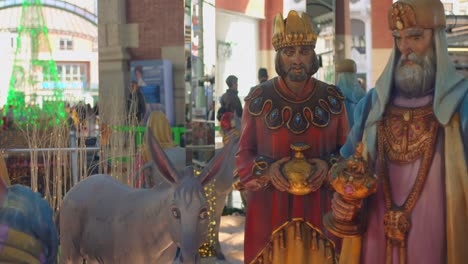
[189, 188]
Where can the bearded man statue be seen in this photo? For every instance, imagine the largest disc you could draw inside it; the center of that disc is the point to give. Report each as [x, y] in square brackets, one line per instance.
[414, 127]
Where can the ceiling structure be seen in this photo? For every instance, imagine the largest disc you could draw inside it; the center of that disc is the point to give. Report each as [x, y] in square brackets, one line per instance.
[317, 8]
[457, 30]
[58, 20]
[457, 38]
[321, 12]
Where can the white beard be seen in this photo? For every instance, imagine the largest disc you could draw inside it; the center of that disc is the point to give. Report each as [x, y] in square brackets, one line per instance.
[415, 80]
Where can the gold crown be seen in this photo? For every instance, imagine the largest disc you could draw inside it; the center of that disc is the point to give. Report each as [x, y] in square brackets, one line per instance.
[416, 13]
[346, 65]
[295, 30]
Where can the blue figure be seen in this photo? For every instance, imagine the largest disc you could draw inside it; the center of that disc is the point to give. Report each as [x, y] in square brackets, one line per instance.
[348, 83]
[27, 230]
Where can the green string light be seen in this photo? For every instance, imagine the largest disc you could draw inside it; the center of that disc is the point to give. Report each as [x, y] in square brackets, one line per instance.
[23, 84]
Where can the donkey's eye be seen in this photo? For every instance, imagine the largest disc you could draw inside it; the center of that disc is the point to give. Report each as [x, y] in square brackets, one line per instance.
[175, 213]
[203, 213]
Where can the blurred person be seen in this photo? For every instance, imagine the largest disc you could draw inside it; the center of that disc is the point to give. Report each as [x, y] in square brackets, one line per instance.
[96, 109]
[347, 82]
[136, 104]
[230, 101]
[210, 116]
[10, 117]
[158, 125]
[262, 75]
[139, 75]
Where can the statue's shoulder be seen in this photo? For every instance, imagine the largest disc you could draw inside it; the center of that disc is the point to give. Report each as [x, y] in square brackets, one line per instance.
[323, 102]
[21, 203]
[261, 88]
[325, 90]
[18, 191]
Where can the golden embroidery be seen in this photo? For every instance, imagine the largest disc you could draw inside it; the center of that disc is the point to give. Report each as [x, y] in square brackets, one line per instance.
[297, 241]
[403, 136]
[317, 109]
[295, 30]
[408, 132]
[402, 16]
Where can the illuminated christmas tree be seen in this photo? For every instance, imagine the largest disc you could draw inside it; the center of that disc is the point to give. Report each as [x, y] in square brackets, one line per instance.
[34, 90]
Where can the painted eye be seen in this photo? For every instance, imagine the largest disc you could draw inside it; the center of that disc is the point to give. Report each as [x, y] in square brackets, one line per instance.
[175, 213]
[306, 51]
[203, 214]
[289, 52]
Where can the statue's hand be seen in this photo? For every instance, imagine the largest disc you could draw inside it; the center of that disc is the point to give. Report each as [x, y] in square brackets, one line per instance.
[238, 186]
[276, 177]
[319, 175]
[254, 185]
[344, 210]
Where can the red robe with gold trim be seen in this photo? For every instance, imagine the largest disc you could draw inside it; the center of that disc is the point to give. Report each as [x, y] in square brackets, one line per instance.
[274, 118]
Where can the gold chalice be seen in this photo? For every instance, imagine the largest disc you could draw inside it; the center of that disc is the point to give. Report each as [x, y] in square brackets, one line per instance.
[354, 181]
[298, 170]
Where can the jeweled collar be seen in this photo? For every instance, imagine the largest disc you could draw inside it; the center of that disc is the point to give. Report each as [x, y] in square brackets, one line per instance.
[279, 111]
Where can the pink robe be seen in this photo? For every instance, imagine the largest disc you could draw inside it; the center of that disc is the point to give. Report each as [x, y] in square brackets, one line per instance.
[427, 237]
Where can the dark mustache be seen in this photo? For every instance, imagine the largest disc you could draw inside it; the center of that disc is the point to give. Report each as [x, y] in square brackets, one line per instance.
[297, 67]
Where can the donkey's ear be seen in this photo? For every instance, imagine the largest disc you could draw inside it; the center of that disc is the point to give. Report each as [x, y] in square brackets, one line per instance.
[161, 160]
[218, 162]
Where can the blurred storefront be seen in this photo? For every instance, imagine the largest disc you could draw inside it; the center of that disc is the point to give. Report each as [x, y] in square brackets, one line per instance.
[72, 37]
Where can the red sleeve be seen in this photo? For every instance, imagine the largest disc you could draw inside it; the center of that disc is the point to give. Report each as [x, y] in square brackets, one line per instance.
[247, 150]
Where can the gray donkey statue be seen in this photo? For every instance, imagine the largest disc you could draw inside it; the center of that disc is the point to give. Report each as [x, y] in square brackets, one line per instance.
[223, 179]
[105, 221]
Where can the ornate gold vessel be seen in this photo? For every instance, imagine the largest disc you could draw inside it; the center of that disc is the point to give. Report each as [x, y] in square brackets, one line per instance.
[298, 170]
[354, 181]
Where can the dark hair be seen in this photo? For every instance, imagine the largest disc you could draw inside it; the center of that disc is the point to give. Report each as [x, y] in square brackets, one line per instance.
[262, 72]
[230, 80]
[313, 69]
[139, 68]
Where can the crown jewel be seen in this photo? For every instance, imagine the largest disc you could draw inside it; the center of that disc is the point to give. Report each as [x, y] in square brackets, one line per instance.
[402, 16]
[405, 14]
[295, 30]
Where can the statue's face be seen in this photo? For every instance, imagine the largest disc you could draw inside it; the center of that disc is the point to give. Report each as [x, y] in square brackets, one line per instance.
[415, 70]
[413, 40]
[297, 63]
